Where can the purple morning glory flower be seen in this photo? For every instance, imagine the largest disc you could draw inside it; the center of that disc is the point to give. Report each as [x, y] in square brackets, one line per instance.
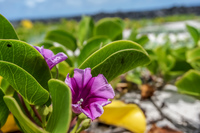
[49, 56]
[89, 94]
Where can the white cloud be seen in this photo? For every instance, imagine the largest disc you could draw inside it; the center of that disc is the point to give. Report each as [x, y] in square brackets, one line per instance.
[33, 3]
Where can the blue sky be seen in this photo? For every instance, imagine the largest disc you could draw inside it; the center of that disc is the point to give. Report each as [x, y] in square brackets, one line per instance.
[30, 9]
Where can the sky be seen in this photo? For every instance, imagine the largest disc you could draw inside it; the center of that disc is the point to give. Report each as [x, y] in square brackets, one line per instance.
[36, 9]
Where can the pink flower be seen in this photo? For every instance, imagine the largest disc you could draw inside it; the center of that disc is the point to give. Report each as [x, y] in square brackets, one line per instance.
[49, 56]
[89, 94]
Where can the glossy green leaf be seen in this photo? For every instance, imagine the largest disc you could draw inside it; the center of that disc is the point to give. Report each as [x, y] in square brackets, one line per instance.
[193, 57]
[62, 37]
[108, 27]
[3, 110]
[24, 121]
[60, 49]
[116, 58]
[6, 29]
[189, 83]
[92, 45]
[26, 57]
[4, 85]
[23, 83]
[85, 29]
[61, 116]
[194, 33]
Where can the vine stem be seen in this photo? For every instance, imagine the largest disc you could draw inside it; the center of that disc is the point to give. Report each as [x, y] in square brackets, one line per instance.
[72, 123]
[36, 113]
[26, 110]
[76, 126]
[57, 72]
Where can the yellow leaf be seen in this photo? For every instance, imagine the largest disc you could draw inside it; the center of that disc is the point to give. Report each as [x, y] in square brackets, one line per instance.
[129, 116]
[10, 125]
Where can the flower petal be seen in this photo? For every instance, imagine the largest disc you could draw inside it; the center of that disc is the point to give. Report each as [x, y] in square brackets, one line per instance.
[87, 76]
[82, 77]
[89, 94]
[93, 111]
[92, 100]
[56, 59]
[47, 53]
[105, 91]
[49, 56]
[79, 76]
[99, 81]
[71, 82]
[76, 108]
[39, 49]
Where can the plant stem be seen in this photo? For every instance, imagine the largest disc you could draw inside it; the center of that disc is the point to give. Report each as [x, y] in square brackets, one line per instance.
[57, 72]
[26, 110]
[36, 113]
[72, 122]
[76, 126]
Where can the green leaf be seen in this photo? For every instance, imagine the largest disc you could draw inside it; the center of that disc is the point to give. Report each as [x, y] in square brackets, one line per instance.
[46, 44]
[25, 123]
[179, 53]
[165, 60]
[189, 83]
[116, 58]
[92, 45]
[56, 50]
[181, 66]
[108, 27]
[62, 37]
[26, 57]
[4, 85]
[23, 83]
[6, 29]
[85, 28]
[193, 57]
[119, 21]
[194, 33]
[61, 116]
[153, 66]
[63, 69]
[133, 35]
[4, 112]
[142, 40]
